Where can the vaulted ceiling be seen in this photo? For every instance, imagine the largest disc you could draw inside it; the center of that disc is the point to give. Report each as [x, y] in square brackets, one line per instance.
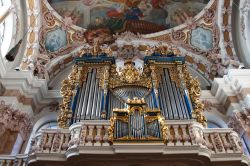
[201, 30]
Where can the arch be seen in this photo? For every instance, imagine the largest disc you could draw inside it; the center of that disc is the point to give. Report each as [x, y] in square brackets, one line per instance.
[215, 120]
[15, 126]
[240, 27]
[6, 26]
[55, 82]
[45, 119]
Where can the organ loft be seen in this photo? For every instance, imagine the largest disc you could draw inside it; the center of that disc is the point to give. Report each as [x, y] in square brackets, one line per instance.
[124, 83]
[136, 94]
[124, 102]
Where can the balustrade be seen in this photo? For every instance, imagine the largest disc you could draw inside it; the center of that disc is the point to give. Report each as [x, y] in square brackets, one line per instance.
[178, 133]
[8, 160]
[51, 141]
[222, 141]
[95, 133]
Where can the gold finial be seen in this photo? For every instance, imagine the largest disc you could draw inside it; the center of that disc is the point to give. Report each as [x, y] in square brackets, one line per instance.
[96, 50]
[130, 74]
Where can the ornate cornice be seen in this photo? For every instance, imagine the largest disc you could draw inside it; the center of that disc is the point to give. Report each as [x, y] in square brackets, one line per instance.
[240, 122]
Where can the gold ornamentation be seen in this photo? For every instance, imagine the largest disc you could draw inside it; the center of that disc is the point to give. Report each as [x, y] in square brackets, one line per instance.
[150, 119]
[135, 100]
[129, 76]
[180, 75]
[173, 73]
[96, 50]
[111, 129]
[106, 78]
[164, 128]
[120, 110]
[155, 76]
[193, 86]
[103, 70]
[123, 118]
[157, 68]
[123, 115]
[67, 91]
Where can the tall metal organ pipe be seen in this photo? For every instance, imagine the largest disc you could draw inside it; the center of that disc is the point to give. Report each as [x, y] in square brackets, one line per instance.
[172, 99]
[90, 95]
[93, 112]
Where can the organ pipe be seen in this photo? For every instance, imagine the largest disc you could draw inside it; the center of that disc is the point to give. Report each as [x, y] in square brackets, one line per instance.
[172, 100]
[177, 102]
[183, 105]
[95, 98]
[90, 95]
[163, 101]
[80, 105]
[168, 101]
[85, 99]
[98, 109]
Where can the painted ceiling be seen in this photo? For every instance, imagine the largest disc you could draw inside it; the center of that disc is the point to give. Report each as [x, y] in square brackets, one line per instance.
[143, 16]
[69, 27]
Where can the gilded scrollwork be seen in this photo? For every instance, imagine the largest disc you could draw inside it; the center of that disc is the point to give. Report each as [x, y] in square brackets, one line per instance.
[164, 128]
[67, 91]
[194, 90]
[111, 129]
[173, 73]
[128, 76]
[155, 75]
[49, 19]
[157, 68]
[76, 78]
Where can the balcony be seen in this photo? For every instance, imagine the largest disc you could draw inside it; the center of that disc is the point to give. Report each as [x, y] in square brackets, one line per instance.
[9, 160]
[188, 143]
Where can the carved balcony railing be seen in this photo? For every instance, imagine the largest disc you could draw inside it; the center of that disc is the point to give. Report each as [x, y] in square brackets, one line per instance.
[92, 133]
[11, 160]
[51, 141]
[92, 137]
[89, 133]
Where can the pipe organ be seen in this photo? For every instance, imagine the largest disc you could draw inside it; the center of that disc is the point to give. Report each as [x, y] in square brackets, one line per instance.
[89, 95]
[136, 100]
[136, 122]
[172, 98]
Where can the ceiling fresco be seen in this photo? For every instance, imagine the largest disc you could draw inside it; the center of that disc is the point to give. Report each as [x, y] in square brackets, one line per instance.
[197, 39]
[143, 16]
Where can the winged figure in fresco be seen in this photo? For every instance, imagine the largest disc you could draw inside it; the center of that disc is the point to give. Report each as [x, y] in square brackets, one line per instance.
[130, 15]
[136, 16]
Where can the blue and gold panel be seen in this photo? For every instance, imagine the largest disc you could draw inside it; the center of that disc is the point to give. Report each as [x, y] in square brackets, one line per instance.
[55, 40]
[202, 38]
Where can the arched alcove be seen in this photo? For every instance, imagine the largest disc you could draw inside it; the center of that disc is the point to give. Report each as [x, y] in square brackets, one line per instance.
[46, 120]
[215, 121]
